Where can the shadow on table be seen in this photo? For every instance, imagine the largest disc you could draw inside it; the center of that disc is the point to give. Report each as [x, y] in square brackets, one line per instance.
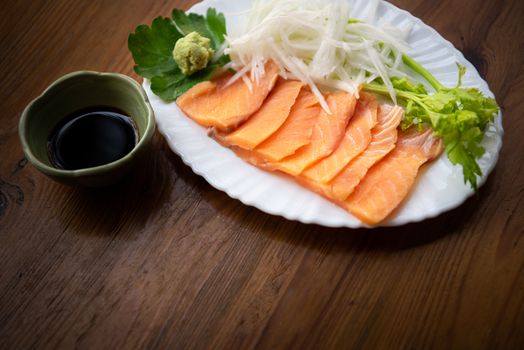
[130, 202]
[135, 200]
[384, 238]
[315, 236]
[389, 238]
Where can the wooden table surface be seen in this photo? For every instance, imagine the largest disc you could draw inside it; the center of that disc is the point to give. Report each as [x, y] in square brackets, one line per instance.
[163, 260]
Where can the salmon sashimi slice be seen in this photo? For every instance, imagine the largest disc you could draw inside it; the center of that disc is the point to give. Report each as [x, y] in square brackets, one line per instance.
[355, 141]
[296, 130]
[388, 182]
[383, 139]
[328, 132]
[269, 118]
[217, 104]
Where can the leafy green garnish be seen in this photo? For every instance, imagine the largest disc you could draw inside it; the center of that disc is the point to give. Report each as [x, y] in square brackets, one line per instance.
[152, 50]
[216, 22]
[192, 22]
[459, 115]
[152, 47]
[172, 84]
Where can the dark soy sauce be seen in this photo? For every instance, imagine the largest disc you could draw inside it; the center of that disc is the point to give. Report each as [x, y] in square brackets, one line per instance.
[92, 137]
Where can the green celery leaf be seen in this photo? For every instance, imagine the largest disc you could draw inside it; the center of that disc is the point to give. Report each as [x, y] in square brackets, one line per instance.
[152, 47]
[467, 120]
[459, 153]
[459, 115]
[472, 99]
[441, 102]
[462, 72]
[438, 121]
[406, 85]
[414, 115]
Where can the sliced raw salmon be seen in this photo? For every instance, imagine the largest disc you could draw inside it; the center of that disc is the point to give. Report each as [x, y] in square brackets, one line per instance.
[356, 139]
[296, 130]
[389, 181]
[328, 132]
[269, 118]
[216, 104]
[383, 139]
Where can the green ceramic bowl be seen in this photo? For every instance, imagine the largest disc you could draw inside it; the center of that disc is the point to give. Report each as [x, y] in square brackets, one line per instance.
[74, 92]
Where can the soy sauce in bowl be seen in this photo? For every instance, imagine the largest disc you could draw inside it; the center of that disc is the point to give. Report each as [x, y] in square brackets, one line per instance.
[92, 137]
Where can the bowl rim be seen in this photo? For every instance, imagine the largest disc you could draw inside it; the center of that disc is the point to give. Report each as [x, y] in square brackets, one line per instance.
[104, 168]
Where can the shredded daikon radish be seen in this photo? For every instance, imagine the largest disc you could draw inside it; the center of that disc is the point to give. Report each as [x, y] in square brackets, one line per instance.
[318, 43]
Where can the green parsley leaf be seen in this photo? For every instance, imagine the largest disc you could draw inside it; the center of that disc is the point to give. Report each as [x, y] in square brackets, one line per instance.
[171, 85]
[152, 50]
[193, 22]
[152, 47]
[216, 23]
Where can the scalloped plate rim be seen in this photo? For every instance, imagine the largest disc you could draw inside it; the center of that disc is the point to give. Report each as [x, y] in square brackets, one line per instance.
[315, 220]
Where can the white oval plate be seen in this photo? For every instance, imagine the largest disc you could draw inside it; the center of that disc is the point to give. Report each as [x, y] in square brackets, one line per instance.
[439, 187]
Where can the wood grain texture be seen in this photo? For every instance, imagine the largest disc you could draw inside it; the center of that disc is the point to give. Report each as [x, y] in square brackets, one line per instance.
[162, 260]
